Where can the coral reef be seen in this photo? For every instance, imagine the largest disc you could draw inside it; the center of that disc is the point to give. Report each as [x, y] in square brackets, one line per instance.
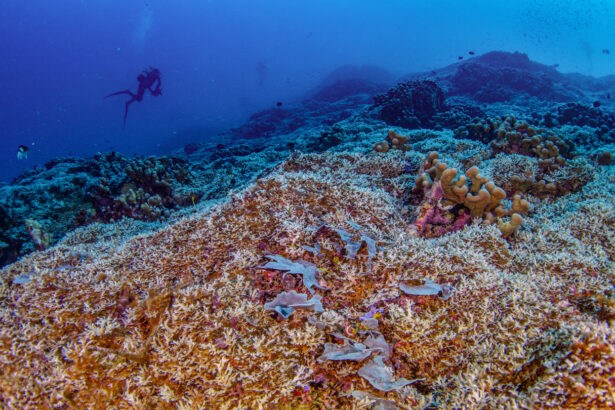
[329, 105]
[505, 134]
[551, 171]
[448, 203]
[605, 158]
[177, 318]
[581, 115]
[150, 188]
[521, 174]
[410, 104]
[489, 84]
[301, 269]
[347, 88]
[396, 140]
[69, 192]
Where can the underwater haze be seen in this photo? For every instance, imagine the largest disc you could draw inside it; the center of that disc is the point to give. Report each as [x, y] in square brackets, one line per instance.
[221, 61]
[307, 204]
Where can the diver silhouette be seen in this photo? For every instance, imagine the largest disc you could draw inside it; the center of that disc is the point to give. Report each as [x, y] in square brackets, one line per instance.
[147, 79]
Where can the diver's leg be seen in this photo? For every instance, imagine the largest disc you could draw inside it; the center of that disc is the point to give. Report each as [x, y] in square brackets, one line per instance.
[122, 92]
[126, 111]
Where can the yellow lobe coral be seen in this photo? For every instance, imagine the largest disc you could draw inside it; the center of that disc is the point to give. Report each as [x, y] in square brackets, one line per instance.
[481, 196]
[477, 203]
[398, 141]
[520, 206]
[446, 181]
[476, 179]
[497, 195]
[508, 228]
[381, 147]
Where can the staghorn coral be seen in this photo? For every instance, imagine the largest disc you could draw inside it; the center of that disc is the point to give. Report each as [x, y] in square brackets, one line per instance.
[176, 318]
[585, 379]
[521, 174]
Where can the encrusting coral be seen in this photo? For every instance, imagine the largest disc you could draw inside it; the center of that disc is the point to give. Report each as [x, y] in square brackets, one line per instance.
[177, 318]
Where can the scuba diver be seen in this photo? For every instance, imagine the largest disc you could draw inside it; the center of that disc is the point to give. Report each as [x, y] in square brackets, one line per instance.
[147, 79]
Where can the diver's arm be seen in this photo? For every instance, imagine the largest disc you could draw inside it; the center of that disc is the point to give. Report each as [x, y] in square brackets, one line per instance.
[155, 90]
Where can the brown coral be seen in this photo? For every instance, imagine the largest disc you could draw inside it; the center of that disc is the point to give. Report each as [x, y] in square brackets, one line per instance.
[397, 141]
[605, 158]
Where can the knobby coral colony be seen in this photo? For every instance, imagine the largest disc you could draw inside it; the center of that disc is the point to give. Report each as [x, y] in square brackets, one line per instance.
[310, 288]
[452, 202]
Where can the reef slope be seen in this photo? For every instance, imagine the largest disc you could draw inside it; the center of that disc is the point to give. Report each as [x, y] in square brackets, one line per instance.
[176, 317]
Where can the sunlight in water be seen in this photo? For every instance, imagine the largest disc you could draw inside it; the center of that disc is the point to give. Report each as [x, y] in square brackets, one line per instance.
[143, 28]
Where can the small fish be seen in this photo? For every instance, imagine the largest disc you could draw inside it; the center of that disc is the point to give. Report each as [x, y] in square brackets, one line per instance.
[596, 104]
[471, 53]
[460, 58]
[606, 51]
[279, 103]
[608, 96]
[22, 152]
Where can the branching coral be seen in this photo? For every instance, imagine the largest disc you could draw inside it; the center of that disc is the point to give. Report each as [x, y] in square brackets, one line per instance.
[177, 318]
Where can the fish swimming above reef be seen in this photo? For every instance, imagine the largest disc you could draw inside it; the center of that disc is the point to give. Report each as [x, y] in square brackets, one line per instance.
[471, 53]
[606, 51]
[22, 152]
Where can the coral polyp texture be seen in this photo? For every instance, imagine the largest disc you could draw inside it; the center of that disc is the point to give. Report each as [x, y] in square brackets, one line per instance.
[309, 288]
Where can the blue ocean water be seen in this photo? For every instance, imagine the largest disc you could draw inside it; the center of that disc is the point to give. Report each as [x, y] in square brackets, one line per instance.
[223, 60]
